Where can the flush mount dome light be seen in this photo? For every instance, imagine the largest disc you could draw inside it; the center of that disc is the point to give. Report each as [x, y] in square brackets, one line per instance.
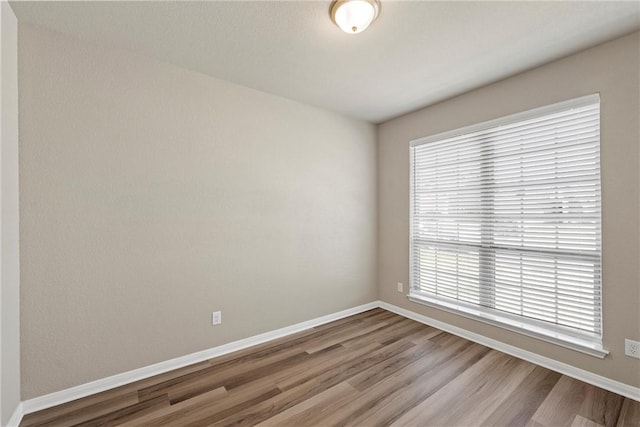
[354, 16]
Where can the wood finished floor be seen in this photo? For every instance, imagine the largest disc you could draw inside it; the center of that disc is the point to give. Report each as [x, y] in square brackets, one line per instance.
[372, 369]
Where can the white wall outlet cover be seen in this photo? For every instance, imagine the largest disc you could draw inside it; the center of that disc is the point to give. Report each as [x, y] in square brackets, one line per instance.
[632, 348]
[400, 286]
[216, 318]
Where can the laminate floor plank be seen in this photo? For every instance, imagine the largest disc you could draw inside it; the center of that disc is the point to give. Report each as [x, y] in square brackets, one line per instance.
[424, 335]
[371, 369]
[261, 389]
[88, 412]
[235, 401]
[320, 404]
[106, 398]
[629, 414]
[377, 373]
[601, 407]
[523, 402]
[562, 404]
[154, 418]
[213, 377]
[389, 399]
[579, 421]
[480, 389]
[406, 398]
[221, 406]
[532, 423]
[330, 360]
[311, 387]
[386, 334]
[127, 413]
[339, 337]
[341, 409]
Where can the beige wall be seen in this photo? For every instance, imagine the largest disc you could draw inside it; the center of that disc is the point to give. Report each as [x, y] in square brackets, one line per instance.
[152, 195]
[611, 69]
[9, 253]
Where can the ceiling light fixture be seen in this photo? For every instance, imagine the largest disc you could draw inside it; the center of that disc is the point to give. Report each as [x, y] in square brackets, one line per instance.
[354, 16]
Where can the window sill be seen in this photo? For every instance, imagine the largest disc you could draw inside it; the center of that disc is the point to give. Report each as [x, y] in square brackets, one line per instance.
[496, 319]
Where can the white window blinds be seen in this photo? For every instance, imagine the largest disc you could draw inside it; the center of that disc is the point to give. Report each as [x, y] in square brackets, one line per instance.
[505, 218]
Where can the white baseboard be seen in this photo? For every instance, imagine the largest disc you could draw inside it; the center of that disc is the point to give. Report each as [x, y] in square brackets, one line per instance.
[83, 390]
[563, 368]
[16, 417]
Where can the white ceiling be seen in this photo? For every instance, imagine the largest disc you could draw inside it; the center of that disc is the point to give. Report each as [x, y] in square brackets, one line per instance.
[415, 54]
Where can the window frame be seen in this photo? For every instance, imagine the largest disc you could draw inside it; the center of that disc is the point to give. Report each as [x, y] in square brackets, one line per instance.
[557, 334]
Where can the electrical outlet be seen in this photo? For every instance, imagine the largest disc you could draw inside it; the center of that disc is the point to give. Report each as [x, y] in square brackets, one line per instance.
[216, 318]
[632, 348]
[400, 286]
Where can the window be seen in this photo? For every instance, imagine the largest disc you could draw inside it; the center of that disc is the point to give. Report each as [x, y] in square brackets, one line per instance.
[505, 223]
